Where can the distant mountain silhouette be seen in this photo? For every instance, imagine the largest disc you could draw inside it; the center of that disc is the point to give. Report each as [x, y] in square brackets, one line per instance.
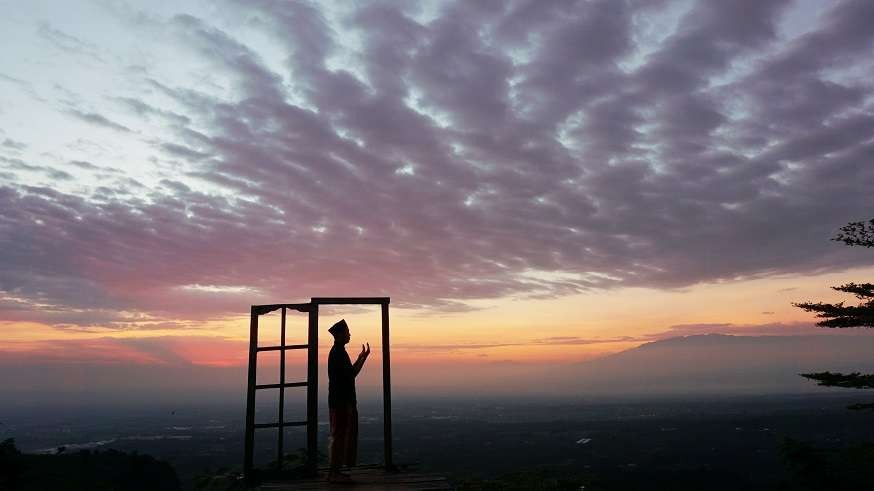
[714, 364]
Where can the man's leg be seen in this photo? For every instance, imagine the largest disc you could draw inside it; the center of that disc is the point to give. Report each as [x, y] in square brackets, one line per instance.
[352, 437]
[337, 445]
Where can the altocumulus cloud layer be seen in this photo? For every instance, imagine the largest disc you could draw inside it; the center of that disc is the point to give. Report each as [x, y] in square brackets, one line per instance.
[179, 165]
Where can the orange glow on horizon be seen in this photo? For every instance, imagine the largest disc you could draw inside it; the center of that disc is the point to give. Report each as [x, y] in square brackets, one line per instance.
[562, 330]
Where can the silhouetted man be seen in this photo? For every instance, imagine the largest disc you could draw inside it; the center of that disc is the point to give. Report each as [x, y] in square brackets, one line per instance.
[343, 407]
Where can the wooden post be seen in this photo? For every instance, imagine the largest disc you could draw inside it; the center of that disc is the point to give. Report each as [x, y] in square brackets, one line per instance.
[250, 398]
[386, 389]
[313, 389]
[281, 435]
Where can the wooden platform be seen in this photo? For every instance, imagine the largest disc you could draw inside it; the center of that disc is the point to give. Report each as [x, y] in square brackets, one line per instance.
[367, 478]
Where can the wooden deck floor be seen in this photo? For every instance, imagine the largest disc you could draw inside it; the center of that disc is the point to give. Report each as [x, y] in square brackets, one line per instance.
[369, 478]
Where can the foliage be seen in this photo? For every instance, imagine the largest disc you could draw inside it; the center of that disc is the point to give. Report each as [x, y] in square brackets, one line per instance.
[84, 470]
[812, 468]
[807, 465]
[853, 380]
[857, 233]
[11, 464]
[838, 315]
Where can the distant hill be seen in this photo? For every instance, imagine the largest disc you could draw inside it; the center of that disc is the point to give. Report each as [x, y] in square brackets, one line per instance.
[713, 364]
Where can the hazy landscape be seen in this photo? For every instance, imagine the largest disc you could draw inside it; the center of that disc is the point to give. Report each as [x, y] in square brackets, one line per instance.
[727, 443]
[697, 365]
[727, 426]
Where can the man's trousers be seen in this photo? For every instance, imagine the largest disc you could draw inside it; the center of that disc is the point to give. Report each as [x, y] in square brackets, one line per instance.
[343, 445]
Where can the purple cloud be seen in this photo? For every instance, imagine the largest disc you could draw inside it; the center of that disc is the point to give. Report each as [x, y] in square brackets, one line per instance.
[521, 150]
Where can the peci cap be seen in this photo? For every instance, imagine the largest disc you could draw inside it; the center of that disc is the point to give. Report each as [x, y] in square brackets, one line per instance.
[339, 327]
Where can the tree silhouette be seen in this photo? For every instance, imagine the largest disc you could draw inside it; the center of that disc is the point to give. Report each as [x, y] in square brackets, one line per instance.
[838, 315]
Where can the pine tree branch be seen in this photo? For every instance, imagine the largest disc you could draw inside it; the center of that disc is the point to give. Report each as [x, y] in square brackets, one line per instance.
[853, 380]
[862, 291]
[857, 234]
[840, 315]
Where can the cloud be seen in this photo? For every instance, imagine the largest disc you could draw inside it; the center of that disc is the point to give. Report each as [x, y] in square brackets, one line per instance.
[679, 330]
[19, 165]
[156, 350]
[767, 329]
[144, 110]
[13, 144]
[98, 120]
[68, 43]
[554, 341]
[523, 151]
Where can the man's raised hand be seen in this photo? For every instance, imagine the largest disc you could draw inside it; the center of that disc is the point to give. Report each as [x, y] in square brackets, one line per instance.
[362, 357]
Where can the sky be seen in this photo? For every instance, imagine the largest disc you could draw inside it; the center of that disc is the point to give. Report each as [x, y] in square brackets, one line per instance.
[530, 182]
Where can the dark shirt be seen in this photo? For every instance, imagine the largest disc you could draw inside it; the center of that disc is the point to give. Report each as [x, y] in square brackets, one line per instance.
[341, 377]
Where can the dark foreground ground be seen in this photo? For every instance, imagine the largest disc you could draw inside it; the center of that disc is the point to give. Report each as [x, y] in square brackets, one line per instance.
[809, 442]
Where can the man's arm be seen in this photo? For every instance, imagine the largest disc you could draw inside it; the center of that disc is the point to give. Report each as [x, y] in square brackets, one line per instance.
[362, 357]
